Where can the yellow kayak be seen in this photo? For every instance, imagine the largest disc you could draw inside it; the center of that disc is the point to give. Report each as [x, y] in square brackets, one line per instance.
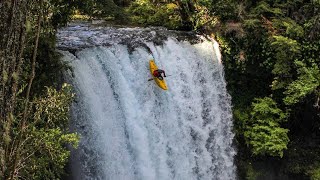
[161, 83]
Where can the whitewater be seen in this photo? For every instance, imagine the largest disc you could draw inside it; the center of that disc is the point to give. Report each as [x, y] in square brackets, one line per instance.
[130, 128]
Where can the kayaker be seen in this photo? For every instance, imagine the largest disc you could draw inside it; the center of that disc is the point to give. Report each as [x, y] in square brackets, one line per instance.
[157, 73]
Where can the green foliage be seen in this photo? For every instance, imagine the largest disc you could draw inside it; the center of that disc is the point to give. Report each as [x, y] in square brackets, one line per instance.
[251, 173]
[43, 152]
[224, 9]
[264, 135]
[266, 110]
[311, 24]
[241, 120]
[203, 18]
[49, 153]
[49, 68]
[241, 115]
[146, 13]
[181, 14]
[53, 109]
[267, 139]
[223, 44]
[263, 8]
[252, 23]
[308, 82]
[61, 11]
[286, 51]
[281, 50]
[102, 9]
[314, 173]
[46, 139]
[289, 26]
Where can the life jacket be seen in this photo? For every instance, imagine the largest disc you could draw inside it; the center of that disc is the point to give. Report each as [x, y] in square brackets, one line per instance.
[157, 73]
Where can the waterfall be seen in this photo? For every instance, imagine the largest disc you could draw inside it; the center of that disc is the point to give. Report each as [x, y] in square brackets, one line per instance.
[132, 129]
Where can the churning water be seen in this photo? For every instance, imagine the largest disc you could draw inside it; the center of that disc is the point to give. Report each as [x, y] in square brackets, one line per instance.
[132, 129]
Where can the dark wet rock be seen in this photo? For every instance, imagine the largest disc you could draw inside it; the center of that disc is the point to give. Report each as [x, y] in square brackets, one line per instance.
[81, 35]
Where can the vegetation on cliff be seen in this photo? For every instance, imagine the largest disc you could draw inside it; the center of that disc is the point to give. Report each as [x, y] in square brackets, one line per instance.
[34, 114]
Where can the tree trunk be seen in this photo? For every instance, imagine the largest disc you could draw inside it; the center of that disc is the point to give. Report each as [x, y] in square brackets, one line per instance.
[26, 104]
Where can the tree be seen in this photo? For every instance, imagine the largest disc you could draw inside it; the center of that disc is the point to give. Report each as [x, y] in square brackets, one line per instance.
[286, 52]
[308, 82]
[264, 134]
